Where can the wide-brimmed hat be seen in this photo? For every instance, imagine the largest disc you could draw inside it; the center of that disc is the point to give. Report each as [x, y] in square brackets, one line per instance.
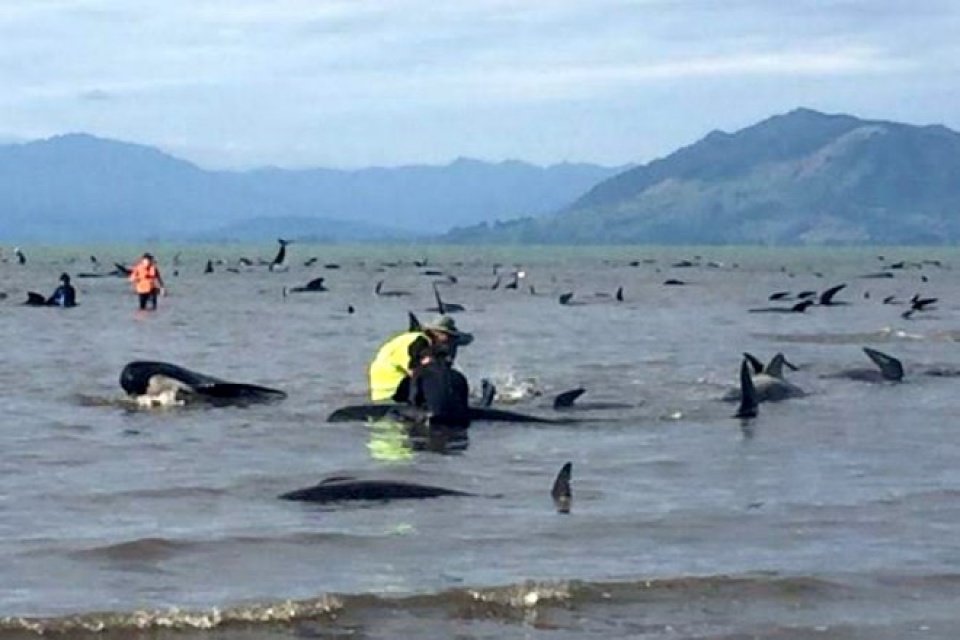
[446, 324]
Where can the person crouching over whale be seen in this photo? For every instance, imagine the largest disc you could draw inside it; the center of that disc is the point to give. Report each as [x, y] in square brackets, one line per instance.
[65, 295]
[147, 281]
[415, 368]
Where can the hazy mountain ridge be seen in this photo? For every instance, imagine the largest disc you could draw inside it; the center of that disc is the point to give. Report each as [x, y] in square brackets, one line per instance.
[799, 178]
[77, 188]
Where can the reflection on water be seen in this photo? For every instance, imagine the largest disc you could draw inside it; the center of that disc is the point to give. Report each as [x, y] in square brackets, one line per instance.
[392, 440]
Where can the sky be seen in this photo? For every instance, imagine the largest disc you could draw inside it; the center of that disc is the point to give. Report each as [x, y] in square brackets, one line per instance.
[238, 84]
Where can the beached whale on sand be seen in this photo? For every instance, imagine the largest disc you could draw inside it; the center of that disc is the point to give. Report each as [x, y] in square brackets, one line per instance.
[165, 384]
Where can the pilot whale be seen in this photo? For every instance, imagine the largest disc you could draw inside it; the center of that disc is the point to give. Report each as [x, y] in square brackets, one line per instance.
[352, 489]
[768, 382]
[364, 412]
[162, 383]
[887, 369]
[347, 488]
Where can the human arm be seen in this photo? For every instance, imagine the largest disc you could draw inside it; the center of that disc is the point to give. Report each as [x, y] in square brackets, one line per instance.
[420, 352]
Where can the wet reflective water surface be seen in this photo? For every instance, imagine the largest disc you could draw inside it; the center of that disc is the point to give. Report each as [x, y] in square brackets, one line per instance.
[830, 515]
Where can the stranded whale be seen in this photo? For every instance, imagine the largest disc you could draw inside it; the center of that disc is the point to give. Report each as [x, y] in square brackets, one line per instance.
[162, 383]
[888, 369]
[353, 489]
[767, 381]
[364, 412]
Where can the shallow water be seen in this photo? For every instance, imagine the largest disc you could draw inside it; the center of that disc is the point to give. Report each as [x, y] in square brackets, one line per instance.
[833, 515]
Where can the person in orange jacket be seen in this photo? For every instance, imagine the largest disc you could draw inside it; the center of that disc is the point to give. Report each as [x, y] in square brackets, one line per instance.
[147, 281]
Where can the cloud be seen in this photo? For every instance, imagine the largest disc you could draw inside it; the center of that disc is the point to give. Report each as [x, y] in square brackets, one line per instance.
[235, 73]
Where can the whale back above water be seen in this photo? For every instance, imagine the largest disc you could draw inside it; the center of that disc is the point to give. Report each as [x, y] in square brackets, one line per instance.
[353, 489]
[364, 412]
[345, 488]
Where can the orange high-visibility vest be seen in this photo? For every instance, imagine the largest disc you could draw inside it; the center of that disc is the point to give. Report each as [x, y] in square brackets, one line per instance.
[144, 277]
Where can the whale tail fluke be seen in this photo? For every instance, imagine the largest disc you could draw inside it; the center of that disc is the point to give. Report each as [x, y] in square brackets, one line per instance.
[279, 261]
[776, 365]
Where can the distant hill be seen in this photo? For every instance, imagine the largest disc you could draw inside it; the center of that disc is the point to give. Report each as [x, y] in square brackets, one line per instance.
[80, 188]
[800, 178]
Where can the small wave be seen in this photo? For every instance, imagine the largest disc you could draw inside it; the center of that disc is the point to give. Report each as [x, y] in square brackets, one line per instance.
[147, 550]
[122, 624]
[143, 549]
[515, 603]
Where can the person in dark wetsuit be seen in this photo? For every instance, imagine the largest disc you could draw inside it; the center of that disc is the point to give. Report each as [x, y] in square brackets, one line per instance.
[64, 295]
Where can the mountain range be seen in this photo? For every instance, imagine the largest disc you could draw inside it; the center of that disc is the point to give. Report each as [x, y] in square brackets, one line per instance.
[803, 177]
[78, 188]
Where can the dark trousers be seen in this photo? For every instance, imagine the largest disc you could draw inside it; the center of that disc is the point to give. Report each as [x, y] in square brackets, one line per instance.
[149, 298]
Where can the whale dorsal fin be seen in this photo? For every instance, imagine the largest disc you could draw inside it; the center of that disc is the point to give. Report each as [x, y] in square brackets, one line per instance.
[567, 398]
[441, 308]
[890, 367]
[826, 298]
[748, 393]
[561, 493]
[413, 322]
[35, 299]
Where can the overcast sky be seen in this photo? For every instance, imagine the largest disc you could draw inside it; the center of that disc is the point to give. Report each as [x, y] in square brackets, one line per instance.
[353, 83]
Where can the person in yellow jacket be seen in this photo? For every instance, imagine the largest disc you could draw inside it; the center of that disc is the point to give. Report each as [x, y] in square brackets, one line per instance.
[147, 281]
[399, 358]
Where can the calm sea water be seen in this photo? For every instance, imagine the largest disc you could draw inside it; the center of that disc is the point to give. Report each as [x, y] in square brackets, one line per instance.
[831, 516]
